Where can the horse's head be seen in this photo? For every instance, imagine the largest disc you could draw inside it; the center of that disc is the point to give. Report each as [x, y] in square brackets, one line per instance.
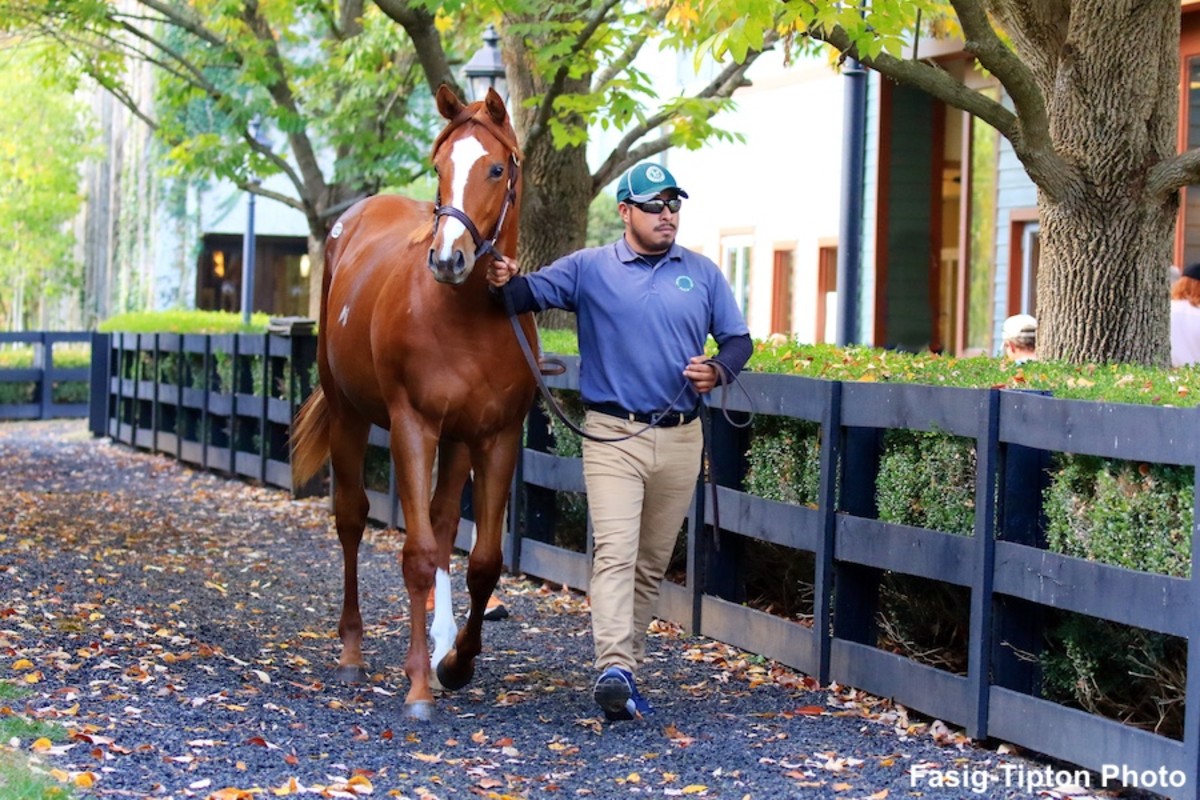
[477, 164]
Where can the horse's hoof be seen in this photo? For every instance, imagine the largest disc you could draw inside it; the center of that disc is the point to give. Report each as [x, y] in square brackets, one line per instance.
[453, 679]
[351, 673]
[419, 710]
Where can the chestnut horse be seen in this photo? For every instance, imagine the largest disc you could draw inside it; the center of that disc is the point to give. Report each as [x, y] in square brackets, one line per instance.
[412, 340]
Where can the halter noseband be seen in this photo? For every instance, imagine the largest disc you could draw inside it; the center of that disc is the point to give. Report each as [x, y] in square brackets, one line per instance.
[482, 246]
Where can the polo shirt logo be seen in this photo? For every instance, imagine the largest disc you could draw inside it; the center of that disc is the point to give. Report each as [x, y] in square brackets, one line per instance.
[684, 283]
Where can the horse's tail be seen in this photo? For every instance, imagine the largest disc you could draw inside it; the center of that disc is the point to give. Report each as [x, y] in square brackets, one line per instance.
[310, 438]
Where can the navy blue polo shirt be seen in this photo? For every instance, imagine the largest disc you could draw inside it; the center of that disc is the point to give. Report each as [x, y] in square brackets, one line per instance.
[639, 324]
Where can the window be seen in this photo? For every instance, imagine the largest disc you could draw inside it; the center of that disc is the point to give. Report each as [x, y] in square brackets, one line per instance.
[827, 297]
[1190, 227]
[735, 261]
[1023, 262]
[781, 293]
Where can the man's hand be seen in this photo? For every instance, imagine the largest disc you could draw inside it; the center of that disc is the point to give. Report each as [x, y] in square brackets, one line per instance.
[501, 271]
[702, 374]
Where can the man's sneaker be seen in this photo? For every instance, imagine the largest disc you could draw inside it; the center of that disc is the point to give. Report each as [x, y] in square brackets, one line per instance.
[617, 695]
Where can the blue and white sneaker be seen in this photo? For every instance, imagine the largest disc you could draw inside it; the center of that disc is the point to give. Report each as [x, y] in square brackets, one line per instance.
[617, 695]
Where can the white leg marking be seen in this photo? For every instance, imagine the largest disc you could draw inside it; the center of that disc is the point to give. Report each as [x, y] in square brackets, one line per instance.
[464, 155]
[345, 315]
[443, 629]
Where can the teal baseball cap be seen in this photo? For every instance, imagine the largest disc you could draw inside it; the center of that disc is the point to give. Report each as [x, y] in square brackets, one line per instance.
[645, 182]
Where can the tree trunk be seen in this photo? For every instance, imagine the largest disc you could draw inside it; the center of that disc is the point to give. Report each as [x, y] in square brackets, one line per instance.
[1103, 288]
[1110, 80]
[556, 184]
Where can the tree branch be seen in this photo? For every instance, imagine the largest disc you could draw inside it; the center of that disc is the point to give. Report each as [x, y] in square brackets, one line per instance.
[418, 24]
[626, 154]
[1172, 174]
[601, 79]
[540, 124]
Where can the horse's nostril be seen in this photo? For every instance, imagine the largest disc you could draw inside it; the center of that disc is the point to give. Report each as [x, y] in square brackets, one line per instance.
[460, 261]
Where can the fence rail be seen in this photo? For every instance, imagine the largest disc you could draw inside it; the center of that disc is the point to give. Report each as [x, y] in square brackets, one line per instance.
[216, 416]
[44, 376]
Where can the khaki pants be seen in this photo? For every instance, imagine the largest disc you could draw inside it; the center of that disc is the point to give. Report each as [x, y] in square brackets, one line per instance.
[638, 493]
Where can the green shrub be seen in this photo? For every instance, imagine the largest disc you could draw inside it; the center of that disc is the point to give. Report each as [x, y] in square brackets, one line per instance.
[784, 460]
[1130, 515]
[183, 321]
[927, 480]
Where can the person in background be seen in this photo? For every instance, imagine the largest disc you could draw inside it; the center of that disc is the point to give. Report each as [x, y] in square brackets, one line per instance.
[645, 308]
[1185, 317]
[1019, 334]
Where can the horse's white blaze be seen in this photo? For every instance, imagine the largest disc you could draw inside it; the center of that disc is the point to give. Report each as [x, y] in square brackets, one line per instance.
[464, 155]
[443, 629]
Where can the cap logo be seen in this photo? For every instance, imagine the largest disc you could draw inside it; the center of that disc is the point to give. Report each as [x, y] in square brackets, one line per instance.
[655, 174]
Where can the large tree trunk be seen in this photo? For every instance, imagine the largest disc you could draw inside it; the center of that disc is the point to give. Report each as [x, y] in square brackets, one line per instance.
[557, 184]
[1109, 73]
[1103, 287]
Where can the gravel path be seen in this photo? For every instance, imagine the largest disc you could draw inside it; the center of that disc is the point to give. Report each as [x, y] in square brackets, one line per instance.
[183, 628]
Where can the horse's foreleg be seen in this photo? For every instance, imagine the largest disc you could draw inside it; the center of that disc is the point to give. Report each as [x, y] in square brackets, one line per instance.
[413, 450]
[445, 511]
[350, 508]
[493, 474]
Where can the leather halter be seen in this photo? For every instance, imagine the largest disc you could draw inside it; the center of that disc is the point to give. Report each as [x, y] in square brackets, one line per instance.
[482, 246]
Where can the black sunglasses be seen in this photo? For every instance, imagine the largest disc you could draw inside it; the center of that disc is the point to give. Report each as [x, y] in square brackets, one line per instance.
[657, 206]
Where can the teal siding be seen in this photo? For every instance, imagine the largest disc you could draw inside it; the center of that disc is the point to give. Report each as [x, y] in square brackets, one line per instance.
[910, 197]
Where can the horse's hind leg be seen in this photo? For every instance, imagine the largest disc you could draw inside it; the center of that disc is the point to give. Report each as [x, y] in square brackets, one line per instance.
[445, 511]
[348, 447]
[493, 475]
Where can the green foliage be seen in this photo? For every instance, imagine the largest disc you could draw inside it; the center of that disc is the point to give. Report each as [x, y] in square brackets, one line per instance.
[18, 781]
[927, 480]
[784, 461]
[181, 321]
[1137, 516]
[1113, 383]
[42, 144]
[604, 221]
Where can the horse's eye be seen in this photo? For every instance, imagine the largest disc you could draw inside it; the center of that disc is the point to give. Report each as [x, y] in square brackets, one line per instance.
[496, 171]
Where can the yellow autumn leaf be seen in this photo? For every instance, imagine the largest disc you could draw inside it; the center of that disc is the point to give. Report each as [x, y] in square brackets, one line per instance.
[60, 775]
[633, 777]
[33, 677]
[85, 780]
[42, 745]
[291, 787]
[361, 784]
[22, 664]
[695, 788]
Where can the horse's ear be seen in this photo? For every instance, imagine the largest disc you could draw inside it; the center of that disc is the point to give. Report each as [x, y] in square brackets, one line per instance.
[495, 106]
[448, 103]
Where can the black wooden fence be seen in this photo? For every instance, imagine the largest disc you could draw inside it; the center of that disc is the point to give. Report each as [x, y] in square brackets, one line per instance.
[43, 376]
[214, 414]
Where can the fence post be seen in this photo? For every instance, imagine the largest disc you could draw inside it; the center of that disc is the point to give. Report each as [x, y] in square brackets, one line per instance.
[979, 642]
[43, 360]
[100, 384]
[1017, 643]
[823, 572]
[856, 588]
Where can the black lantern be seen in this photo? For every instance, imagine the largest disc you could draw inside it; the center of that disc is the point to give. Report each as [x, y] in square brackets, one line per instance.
[486, 68]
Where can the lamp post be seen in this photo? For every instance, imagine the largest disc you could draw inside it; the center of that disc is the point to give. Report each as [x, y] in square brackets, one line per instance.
[248, 243]
[486, 68]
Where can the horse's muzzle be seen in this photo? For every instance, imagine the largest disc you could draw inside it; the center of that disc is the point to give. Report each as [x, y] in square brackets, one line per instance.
[453, 270]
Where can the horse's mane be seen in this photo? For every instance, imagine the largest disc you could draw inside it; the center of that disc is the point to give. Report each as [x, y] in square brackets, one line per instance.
[422, 233]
